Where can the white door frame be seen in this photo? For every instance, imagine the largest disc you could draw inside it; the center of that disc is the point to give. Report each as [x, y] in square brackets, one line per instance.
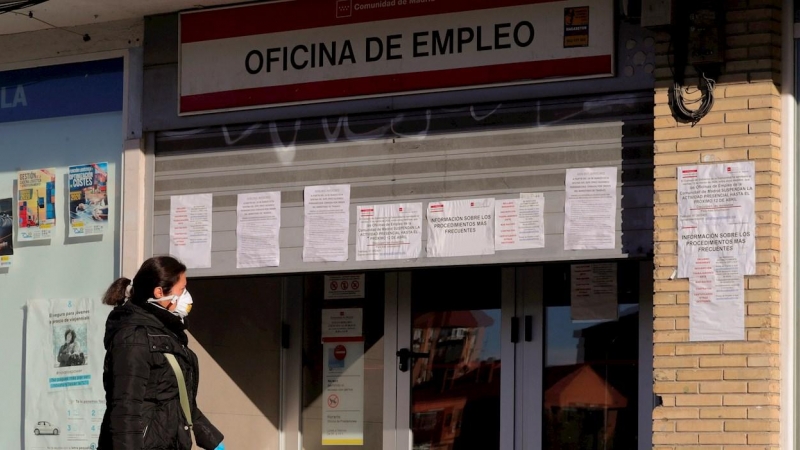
[530, 357]
[404, 438]
[522, 298]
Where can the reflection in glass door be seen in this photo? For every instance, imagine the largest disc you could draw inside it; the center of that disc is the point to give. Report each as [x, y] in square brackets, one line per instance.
[455, 359]
[591, 370]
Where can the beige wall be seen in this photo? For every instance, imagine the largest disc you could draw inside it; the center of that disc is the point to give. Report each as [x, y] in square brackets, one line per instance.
[722, 395]
[236, 325]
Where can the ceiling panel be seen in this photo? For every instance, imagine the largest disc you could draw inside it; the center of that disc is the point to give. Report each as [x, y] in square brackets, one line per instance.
[69, 13]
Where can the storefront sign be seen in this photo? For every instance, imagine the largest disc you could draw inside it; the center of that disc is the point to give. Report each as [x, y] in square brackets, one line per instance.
[308, 50]
[389, 232]
[36, 197]
[716, 214]
[339, 287]
[88, 199]
[58, 91]
[190, 229]
[64, 396]
[461, 228]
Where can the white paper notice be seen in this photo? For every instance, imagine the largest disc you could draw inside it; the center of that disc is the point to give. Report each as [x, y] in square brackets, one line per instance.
[519, 223]
[190, 229]
[326, 223]
[258, 225]
[389, 232]
[716, 300]
[590, 209]
[716, 214]
[593, 289]
[461, 228]
[342, 323]
[343, 393]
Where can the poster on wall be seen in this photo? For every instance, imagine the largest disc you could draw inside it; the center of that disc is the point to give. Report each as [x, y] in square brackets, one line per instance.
[64, 395]
[519, 222]
[386, 232]
[590, 209]
[258, 226]
[716, 299]
[6, 232]
[461, 228]
[36, 200]
[326, 223]
[190, 229]
[88, 199]
[716, 214]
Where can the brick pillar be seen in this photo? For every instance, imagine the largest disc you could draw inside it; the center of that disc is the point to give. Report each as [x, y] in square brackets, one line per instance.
[722, 395]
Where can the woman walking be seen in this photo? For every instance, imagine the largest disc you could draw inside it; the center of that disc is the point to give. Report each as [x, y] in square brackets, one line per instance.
[149, 374]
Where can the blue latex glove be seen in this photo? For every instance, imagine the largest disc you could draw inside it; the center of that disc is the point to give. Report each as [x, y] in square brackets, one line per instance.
[221, 446]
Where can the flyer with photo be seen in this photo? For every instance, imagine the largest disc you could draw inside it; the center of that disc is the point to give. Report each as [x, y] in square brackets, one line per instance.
[88, 199]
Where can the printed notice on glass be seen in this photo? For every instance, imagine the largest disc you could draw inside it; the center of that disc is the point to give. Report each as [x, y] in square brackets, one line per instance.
[590, 209]
[716, 299]
[519, 223]
[342, 323]
[343, 393]
[389, 232]
[258, 225]
[593, 289]
[716, 214]
[190, 229]
[344, 286]
[36, 200]
[461, 228]
[326, 223]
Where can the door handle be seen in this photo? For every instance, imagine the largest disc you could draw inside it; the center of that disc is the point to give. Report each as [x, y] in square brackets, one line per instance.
[528, 328]
[405, 356]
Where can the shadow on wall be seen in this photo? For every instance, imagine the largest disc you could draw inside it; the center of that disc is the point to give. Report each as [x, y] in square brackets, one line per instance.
[236, 327]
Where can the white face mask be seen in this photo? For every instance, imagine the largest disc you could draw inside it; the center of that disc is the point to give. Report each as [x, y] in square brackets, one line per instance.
[183, 303]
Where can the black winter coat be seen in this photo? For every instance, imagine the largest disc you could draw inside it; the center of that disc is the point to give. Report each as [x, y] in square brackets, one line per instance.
[143, 410]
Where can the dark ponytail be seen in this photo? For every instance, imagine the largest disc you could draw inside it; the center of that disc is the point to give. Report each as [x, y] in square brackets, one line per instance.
[159, 271]
[115, 294]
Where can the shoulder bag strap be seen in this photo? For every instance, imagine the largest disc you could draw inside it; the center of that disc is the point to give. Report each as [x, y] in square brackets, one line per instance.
[187, 411]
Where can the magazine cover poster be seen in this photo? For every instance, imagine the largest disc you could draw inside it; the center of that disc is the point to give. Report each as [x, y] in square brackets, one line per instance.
[37, 204]
[6, 232]
[64, 396]
[88, 199]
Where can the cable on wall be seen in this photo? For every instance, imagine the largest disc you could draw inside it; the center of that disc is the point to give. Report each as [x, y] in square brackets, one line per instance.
[679, 103]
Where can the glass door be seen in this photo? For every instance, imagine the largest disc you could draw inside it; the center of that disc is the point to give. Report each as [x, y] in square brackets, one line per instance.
[454, 343]
[512, 358]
